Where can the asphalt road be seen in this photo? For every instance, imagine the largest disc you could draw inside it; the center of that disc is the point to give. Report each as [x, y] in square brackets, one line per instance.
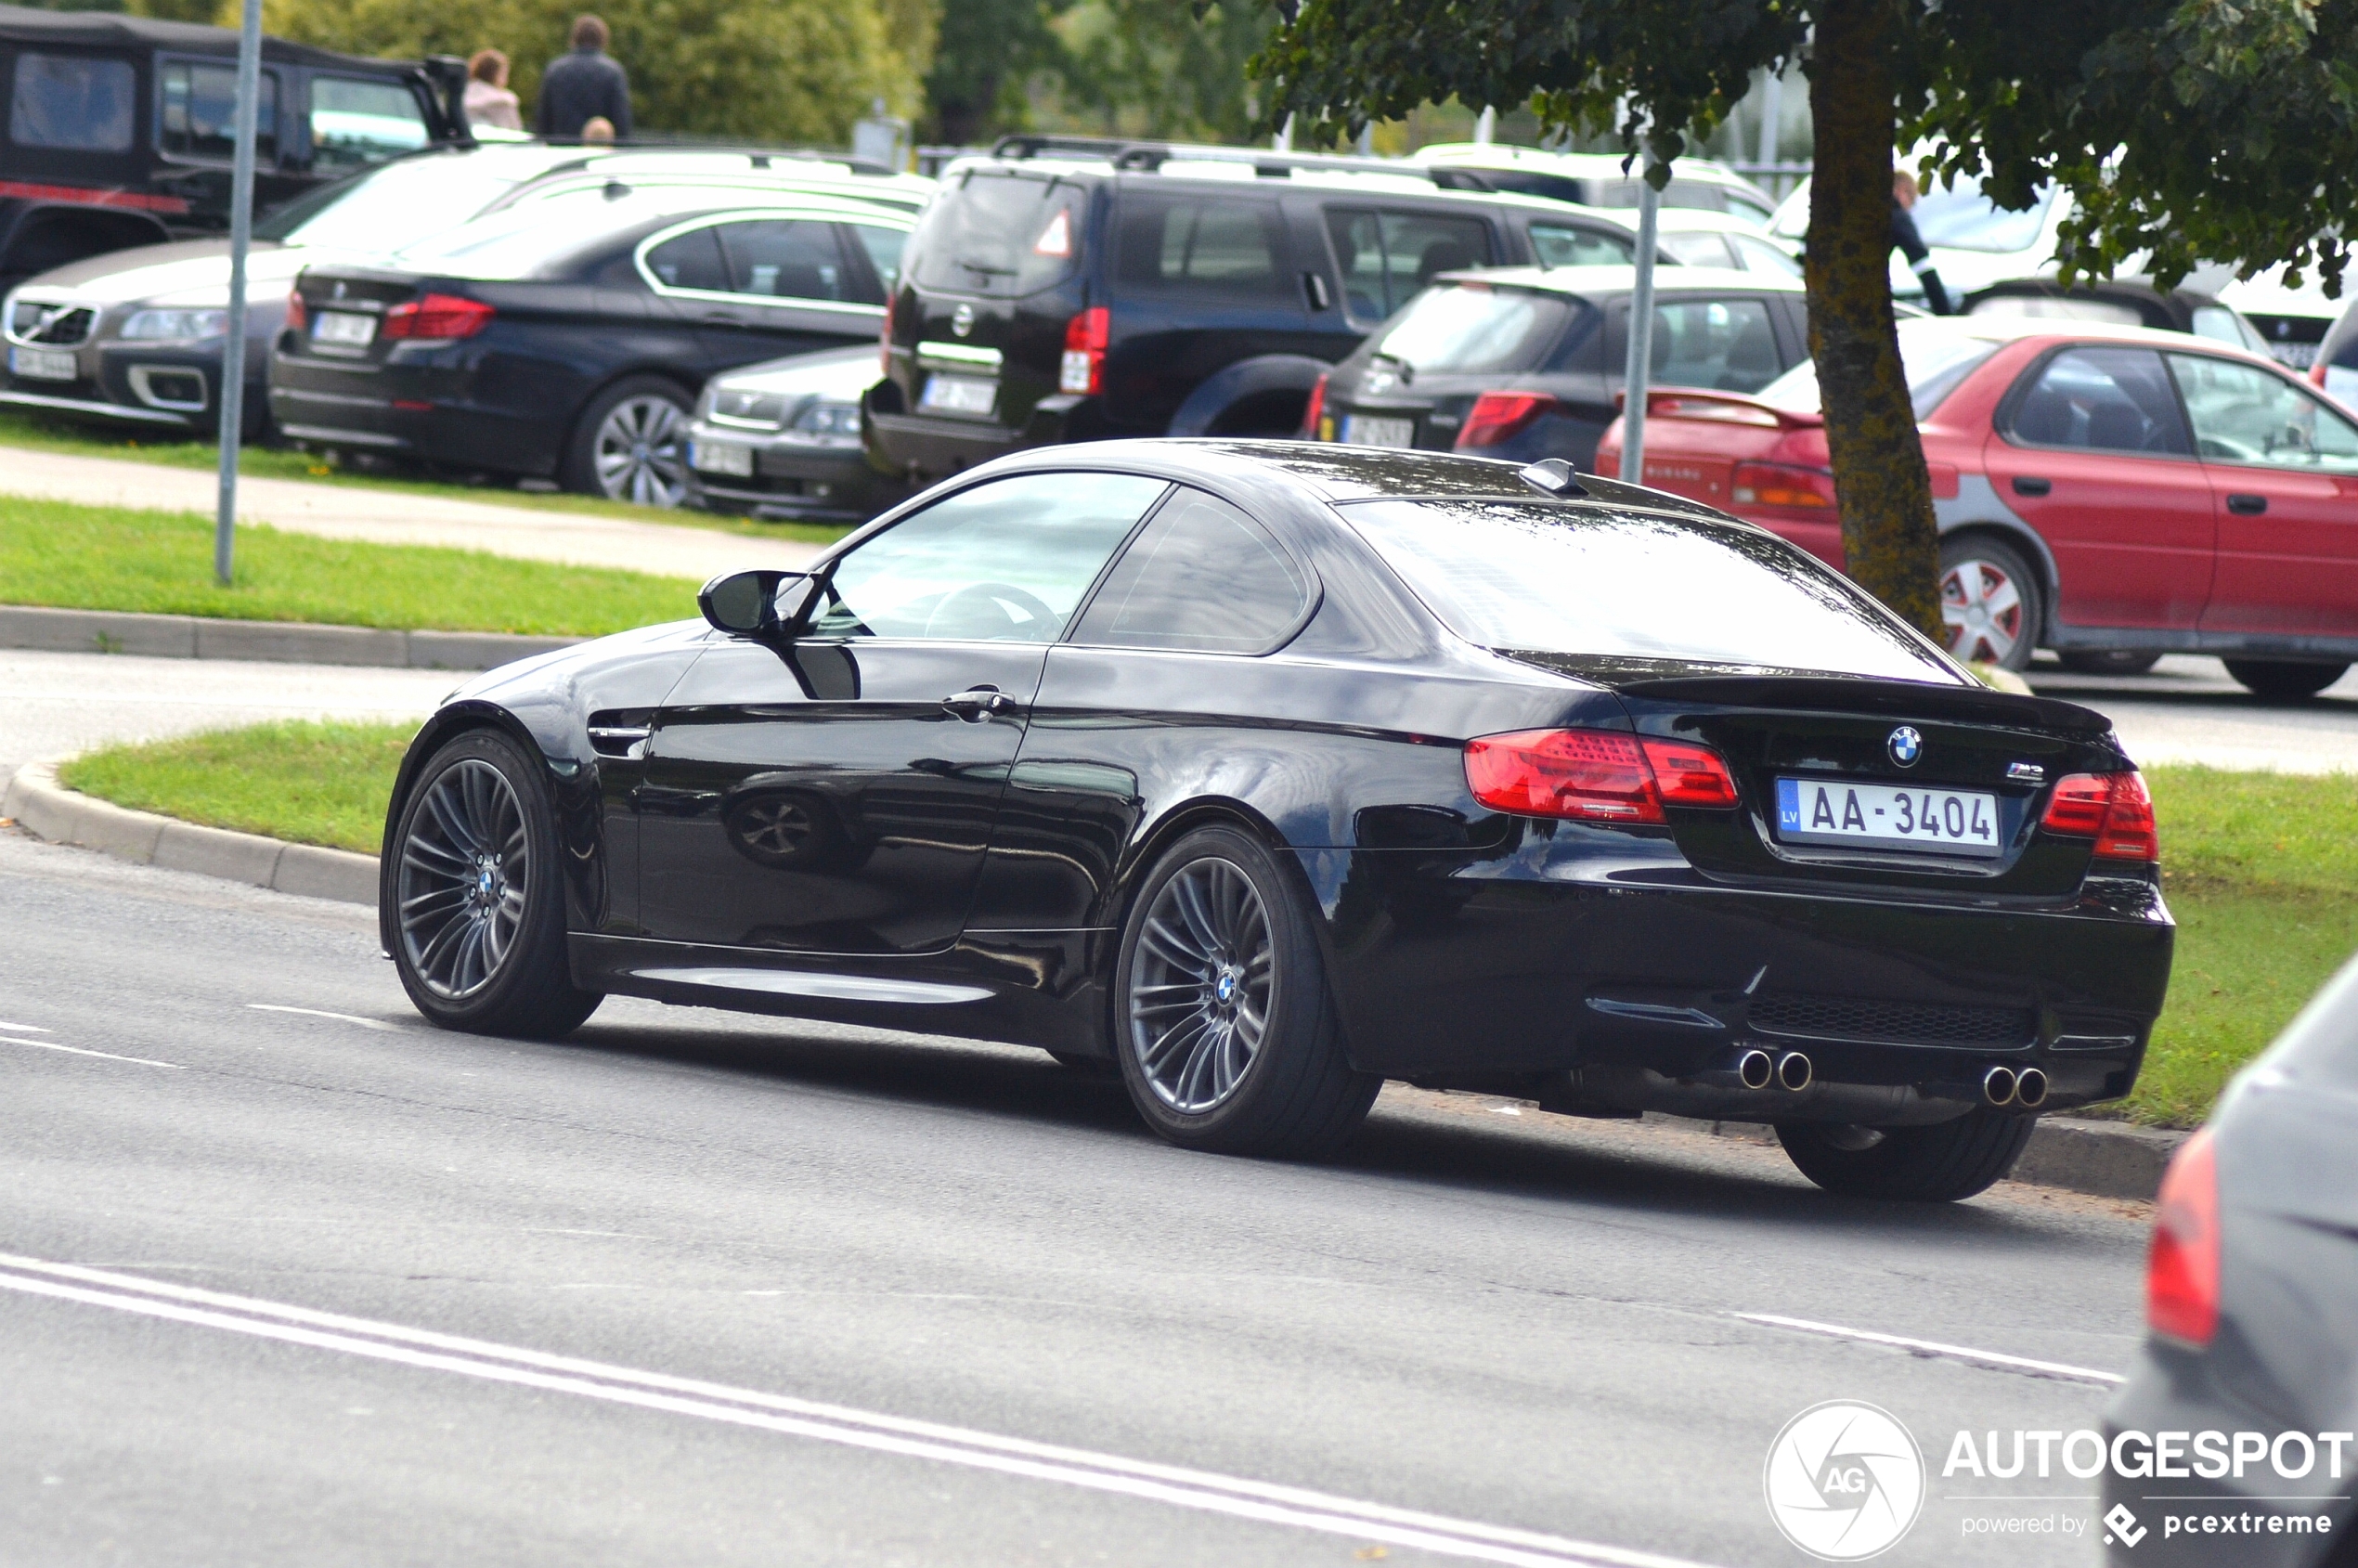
[1513, 1322]
[2186, 709]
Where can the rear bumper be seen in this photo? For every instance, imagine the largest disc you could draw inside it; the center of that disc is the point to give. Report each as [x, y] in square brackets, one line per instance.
[927, 449]
[428, 412]
[1455, 971]
[794, 480]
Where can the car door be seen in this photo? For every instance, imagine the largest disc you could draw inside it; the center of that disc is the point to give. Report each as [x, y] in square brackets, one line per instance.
[764, 286]
[836, 793]
[2091, 449]
[2284, 477]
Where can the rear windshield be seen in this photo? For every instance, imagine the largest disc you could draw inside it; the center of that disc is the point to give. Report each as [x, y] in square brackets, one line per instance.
[1538, 577]
[1473, 328]
[397, 204]
[1001, 235]
[1935, 358]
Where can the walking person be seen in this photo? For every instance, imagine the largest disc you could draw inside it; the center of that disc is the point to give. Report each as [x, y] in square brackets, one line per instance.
[584, 85]
[1910, 244]
[489, 100]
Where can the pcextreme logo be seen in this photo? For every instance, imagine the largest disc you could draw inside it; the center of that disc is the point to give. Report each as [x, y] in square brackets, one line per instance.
[1845, 1481]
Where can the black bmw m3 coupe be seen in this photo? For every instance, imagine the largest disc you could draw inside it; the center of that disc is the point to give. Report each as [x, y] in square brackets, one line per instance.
[1268, 771]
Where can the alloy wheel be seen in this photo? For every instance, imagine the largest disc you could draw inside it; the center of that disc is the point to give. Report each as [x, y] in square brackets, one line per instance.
[1201, 979]
[641, 453]
[1982, 609]
[463, 869]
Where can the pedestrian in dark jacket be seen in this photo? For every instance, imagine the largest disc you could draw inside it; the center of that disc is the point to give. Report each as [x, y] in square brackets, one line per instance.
[1910, 244]
[584, 85]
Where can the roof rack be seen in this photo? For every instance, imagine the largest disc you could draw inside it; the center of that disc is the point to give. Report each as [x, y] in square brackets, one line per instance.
[1145, 156]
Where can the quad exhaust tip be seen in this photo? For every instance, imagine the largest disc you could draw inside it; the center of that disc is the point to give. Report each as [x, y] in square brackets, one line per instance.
[1998, 1085]
[2030, 1088]
[1793, 1072]
[1753, 1069]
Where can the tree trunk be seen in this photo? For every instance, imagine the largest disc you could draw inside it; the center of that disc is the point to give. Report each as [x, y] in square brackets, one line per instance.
[1890, 545]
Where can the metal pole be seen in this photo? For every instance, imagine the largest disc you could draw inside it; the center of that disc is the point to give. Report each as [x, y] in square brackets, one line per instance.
[1772, 107]
[1486, 127]
[1641, 334]
[233, 346]
[1283, 140]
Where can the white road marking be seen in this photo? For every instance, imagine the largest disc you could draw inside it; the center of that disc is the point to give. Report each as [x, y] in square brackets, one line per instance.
[24, 1028]
[78, 1051]
[1201, 1490]
[1933, 1347]
[316, 1013]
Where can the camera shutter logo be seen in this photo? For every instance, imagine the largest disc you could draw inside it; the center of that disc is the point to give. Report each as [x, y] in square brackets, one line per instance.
[1845, 1481]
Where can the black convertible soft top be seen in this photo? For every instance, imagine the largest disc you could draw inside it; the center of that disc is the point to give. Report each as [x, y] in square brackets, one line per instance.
[110, 30]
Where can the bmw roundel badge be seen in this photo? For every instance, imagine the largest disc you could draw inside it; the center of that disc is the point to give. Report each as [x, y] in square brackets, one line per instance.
[1905, 746]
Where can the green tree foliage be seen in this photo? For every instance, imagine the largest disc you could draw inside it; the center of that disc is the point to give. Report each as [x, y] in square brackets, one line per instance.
[1152, 67]
[986, 54]
[793, 70]
[2184, 129]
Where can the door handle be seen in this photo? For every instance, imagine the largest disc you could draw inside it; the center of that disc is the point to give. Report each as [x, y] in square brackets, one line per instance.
[979, 703]
[2247, 506]
[2028, 485]
[1315, 287]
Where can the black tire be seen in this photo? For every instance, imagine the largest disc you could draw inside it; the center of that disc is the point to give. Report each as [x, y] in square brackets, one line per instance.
[2283, 681]
[1977, 565]
[1937, 1164]
[1295, 1095]
[451, 848]
[2108, 661]
[662, 479]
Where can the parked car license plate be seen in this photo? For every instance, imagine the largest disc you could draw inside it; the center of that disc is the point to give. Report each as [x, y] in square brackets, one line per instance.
[1366, 430]
[958, 395]
[42, 364]
[342, 327]
[721, 456]
[1947, 821]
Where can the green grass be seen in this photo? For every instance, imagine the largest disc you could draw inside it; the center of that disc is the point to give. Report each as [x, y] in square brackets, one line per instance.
[2260, 871]
[110, 558]
[34, 433]
[312, 783]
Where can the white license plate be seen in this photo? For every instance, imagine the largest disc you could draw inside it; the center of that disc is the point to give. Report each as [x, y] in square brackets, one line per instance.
[958, 395]
[1366, 430]
[344, 329]
[42, 364]
[721, 456]
[1946, 822]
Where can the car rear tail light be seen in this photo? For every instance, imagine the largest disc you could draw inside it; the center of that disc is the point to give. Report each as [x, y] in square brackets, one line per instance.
[2182, 1269]
[1314, 409]
[1777, 484]
[1594, 775]
[298, 314]
[1084, 362]
[2113, 808]
[437, 315]
[1499, 417]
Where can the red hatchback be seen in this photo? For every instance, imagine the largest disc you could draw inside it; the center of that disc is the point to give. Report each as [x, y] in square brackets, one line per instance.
[2111, 493]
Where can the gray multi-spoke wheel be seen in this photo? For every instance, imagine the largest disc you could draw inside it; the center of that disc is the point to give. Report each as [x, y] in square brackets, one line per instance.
[632, 445]
[1990, 602]
[1199, 984]
[1225, 1027]
[464, 867]
[471, 894]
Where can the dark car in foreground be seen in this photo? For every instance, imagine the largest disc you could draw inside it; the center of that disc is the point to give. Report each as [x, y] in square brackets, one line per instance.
[1266, 771]
[2250, 1366]
[782, 440]
[572, 345]
[1527, 363]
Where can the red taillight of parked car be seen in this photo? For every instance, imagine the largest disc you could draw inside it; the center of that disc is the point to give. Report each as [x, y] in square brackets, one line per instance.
[1777, 484]
[1314, 409]
[437, 315]
[2113, 808]
[2182, 1269]
[1499, 417]
[1084, 362]
[298, 315]
[1594, 775]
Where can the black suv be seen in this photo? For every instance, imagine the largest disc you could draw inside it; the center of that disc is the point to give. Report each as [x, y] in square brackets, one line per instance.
[1068, 289]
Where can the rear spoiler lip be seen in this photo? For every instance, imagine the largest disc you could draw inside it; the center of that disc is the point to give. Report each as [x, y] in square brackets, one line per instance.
[1730, 408]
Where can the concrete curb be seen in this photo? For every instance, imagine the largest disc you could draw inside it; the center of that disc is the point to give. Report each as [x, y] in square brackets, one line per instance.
[202, 637]
[2100, 1159]
[47, 809]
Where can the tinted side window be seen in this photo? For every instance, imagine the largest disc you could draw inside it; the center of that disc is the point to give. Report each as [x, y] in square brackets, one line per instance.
[1725, 344]
[1006, 560]
[883, 246]
[1386, 257]
[689, 260]
[201, 112]
[1554, 245]
[355, 123]
[2243, 414]
[2103, 399]
[784, 258]
[1208, 247]
[1203, 577]
[73, 102]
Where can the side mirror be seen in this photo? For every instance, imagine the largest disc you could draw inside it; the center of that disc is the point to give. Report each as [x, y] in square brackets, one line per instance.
[761, 605]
